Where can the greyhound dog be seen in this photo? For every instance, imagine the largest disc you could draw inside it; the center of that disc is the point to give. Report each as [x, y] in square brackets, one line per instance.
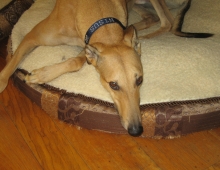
[109, 45]
[166, 18]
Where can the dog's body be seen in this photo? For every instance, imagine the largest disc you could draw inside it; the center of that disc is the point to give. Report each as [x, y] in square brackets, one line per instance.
[167, 21]
[163, 13]
[111, 49]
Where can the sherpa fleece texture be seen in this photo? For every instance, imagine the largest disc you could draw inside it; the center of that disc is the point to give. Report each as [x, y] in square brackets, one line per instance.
[175, 68]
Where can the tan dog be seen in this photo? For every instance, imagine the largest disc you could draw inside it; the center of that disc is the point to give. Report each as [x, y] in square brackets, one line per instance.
[110, 47]
[167, 20]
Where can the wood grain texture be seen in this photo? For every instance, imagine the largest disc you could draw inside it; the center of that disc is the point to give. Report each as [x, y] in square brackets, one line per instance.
[13, 147]
[31, 139]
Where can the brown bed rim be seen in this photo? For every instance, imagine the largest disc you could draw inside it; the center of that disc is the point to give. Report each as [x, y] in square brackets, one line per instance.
[162, 120]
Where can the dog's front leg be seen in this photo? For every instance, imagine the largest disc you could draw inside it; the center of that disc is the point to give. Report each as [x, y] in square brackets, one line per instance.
[148, 18]
[165, 16]
[25, 47]
[48, 73]
[167, 11]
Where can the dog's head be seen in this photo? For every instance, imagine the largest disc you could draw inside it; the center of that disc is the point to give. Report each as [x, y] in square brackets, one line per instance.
[121, 74]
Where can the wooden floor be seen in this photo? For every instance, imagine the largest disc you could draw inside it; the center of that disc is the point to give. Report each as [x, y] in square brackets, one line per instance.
[30, 139]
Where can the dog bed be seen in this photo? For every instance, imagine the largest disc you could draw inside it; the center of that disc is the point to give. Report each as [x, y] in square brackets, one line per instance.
[180, 93]
[10, 11]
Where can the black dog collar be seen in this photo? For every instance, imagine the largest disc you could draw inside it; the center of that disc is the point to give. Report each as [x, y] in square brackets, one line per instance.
[100, 23]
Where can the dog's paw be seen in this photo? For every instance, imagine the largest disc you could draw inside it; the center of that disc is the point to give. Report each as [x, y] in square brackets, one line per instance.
[42, 75]
[36, 76]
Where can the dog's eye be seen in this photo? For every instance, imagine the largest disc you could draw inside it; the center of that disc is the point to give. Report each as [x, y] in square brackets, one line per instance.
[114, 85]
[139, 81]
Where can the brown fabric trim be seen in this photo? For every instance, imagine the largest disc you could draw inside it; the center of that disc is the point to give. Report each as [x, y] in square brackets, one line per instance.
[158, 122]
[177, 103]
[168, 121]
[196, 123]
[5, 27]
[10, 14]
[49, 102]
[149, 122]
[87, 114]
[31, 91]
[48, 87]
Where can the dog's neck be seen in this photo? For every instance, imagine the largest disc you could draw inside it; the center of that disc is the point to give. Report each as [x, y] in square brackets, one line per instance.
[101, 23]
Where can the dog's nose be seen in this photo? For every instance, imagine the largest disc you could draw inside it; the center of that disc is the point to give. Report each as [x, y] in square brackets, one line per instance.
[135, 130]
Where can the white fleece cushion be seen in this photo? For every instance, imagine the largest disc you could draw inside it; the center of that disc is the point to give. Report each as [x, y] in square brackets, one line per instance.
[175, 68]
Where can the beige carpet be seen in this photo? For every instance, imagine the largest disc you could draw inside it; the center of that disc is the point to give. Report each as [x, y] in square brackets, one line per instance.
[175, 68]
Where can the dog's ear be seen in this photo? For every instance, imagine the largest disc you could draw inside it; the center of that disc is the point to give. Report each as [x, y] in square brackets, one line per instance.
[130, 37]
[92, 55]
